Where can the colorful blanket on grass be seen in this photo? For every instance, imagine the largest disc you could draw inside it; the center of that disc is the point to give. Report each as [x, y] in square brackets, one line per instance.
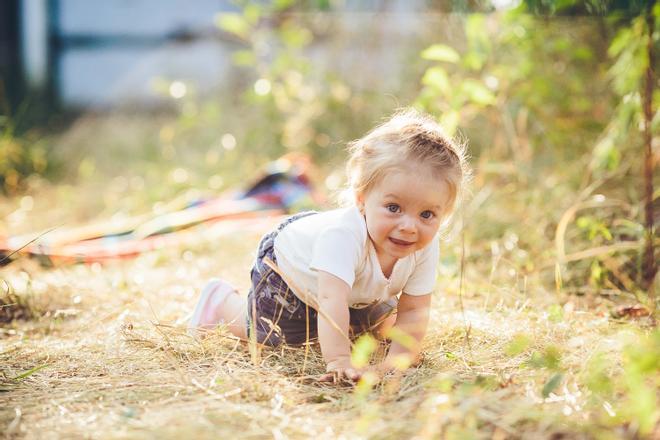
[284, 184]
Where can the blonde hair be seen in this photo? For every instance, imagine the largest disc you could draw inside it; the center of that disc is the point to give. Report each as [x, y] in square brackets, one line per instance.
[407, 136]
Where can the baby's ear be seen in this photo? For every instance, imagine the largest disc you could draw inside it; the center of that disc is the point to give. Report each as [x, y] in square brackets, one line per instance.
[358, 197]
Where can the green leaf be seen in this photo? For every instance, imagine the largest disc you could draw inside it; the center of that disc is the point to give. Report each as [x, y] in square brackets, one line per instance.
[280, 5]
[362, 350]
[449, 121]
[642, 354]
[518, 344]
[478, 93]
[620, 42]
[549, 359]
[555, 313]
[244, 58]
[29, 372]
[443, 383]
[477, 34]
[564, 4]
[583, 222]
[596, 272]
[365, 384]
[487, 382]
[641, 364]
[233, 23]
[436, 77]
[440, 52]
[552, 384]
[643, 407]
[473, 61]
[252, 13]
[597, 375]
[583, 53]
[295, 36]
[402, 361]
[400, 337]
[606, 155]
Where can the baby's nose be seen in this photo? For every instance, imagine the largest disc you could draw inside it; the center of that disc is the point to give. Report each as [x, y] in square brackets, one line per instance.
[407, 224]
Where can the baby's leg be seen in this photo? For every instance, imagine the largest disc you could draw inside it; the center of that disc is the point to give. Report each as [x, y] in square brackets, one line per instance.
[219, 303]
[234, 313]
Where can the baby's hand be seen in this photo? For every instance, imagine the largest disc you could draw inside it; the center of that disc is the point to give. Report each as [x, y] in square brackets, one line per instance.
[381, 370]
[398, 363]
[341, 370]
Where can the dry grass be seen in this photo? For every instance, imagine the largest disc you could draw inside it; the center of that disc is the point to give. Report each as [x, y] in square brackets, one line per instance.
[101, 352]
[114, 361]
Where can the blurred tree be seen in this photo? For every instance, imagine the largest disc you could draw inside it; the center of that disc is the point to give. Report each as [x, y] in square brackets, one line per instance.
[286, 85]
[536, 86]
[20, 156]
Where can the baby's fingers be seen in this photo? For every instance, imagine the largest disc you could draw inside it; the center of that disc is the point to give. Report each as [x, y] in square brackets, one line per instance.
[328, 377]
[338, 376]
[352, 374]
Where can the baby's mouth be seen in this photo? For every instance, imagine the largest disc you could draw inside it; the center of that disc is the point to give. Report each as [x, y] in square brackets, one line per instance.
[398, 242]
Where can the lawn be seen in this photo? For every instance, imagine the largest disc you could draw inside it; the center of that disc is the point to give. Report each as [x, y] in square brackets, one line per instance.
[544, 320]
[100, 351]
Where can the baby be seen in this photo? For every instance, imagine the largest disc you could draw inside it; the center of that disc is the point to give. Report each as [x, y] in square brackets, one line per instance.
[333, 275]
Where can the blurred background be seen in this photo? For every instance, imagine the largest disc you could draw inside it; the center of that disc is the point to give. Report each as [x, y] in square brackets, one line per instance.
[122, 105]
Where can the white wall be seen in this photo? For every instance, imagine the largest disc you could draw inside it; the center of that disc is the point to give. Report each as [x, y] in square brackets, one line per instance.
[369, 45]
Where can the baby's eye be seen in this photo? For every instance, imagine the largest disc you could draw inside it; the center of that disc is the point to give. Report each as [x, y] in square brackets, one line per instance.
[392, 207]
[427, 214]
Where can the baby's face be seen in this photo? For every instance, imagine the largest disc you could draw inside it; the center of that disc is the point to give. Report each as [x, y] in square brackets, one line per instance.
[403, 211]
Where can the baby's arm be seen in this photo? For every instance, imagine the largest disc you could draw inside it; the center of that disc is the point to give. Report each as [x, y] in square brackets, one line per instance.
[333, 323]
[412, 318]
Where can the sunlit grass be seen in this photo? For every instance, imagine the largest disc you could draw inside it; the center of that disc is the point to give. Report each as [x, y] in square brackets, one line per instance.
[106, 354]
[101, 350]
[540, 327]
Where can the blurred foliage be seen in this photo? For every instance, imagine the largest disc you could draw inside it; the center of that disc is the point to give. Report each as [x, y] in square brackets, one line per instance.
[548, 98]
[274, 101]
[552, 109]
[549, 95]
[641, 380]
[547, 92]
[637, 379]
[620, 392]
[20, 156]
[300, 105]
[624, 8]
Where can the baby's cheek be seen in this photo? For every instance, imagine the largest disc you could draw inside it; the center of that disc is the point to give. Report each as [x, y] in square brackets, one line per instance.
[427, 233]
[382, 230]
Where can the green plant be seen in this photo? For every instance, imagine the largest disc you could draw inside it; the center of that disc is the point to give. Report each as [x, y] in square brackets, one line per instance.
[545, 111]
[20, 156]
[15, 306]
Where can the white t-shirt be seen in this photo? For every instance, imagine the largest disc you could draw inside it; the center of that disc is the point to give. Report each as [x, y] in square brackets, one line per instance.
[337, 242]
